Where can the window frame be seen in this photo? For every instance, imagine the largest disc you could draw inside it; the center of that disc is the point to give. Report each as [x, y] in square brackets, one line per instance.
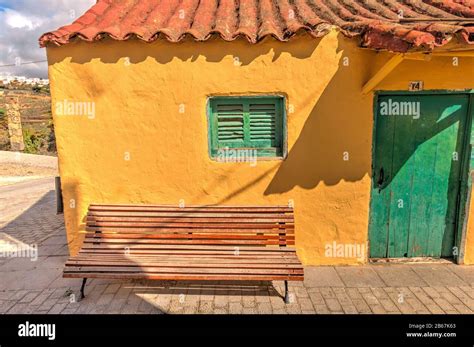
[262, 153]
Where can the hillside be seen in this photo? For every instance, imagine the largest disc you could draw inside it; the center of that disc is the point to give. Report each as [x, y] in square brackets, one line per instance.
[36, 120]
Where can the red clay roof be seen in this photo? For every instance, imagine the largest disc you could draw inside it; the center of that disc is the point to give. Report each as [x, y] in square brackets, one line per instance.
[381, 24]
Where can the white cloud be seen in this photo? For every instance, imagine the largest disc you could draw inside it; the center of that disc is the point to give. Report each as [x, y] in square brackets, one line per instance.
[21, 24]
[16, 20]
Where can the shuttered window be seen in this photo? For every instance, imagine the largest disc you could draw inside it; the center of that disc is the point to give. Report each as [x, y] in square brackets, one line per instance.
[247, 123]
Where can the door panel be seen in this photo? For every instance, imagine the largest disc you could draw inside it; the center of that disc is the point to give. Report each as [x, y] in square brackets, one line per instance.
[413, 206]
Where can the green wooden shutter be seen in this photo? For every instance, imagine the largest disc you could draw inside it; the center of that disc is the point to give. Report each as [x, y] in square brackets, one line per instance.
[247, 123]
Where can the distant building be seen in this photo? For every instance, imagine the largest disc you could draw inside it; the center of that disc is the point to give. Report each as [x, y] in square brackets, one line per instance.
[6, 80]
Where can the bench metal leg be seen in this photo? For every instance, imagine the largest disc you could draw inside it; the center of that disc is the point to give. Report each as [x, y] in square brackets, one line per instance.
[287, 296]
[82, 288]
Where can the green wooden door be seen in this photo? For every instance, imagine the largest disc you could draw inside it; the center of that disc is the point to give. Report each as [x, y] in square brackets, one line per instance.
[416, 174]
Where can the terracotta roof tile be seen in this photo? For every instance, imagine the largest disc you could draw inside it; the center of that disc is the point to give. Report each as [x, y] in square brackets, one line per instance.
[381, 24]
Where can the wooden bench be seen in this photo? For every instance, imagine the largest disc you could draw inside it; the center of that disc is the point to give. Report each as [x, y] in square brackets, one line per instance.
[205, 243]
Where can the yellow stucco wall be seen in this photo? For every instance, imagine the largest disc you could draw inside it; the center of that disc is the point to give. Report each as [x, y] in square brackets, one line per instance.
[150, 108]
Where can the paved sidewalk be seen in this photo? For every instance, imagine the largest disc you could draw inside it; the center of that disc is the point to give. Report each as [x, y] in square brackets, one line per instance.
[37, 286]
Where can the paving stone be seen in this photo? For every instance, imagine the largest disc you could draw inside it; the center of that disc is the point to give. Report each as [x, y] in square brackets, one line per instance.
[463, 309]
[321, 309]
[379, 293]
[71, 310]
[398, 298]
[370, 299]
[343, 299]
[205, 307]
[322, 276]
[30, 296]
[316, 298]
[58, 293]
[328, 293]
[191, 308]
[47, 305]
[463, 297]
[105, 299]
[434, 309]
[293, 308]
[262, 298]
[333, 305]
[162, 302]
[468, 290]
[19, 308]
[57, 308]
[451, 298]
[353, 293]
[42, 297]
[18, 295]
[349, 309]
[465, 272]
[359, 276]
[280, 311]
[5, 295]
[220, 310]
[249, 310]
[220, 301]
[248, 301]
[277, 303]
[378, 309]
[146, 305]
[116, 305]
[235, 308]
[112, 288]
[176, 305]
[306, 304]
[361, 306]
[396, 275]
[388, 305]
[417, 305]
[438, 275]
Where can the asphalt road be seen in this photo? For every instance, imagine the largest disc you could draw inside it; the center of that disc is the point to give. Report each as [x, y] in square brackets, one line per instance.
[17, 198]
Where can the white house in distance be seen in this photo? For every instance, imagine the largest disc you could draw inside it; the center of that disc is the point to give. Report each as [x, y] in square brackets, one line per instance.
[7, 79]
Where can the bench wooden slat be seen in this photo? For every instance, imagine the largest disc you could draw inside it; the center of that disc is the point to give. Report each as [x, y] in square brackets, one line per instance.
[217, 220]
[190, 225]
[211, 214]
[181, 270]
[174, 260]
[144, 230]
[130, 237]
[195, 208]
[191, 241]
[186, 277]
[228, 248]
[165, 242]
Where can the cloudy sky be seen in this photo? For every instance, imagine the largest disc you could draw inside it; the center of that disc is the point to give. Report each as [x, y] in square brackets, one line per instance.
[21, 24]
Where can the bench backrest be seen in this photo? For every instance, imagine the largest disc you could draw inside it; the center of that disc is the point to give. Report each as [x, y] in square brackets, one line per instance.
[203, 225]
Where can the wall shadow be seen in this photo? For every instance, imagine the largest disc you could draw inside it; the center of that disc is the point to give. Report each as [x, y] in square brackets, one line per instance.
[187, 50]
[329, 133]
